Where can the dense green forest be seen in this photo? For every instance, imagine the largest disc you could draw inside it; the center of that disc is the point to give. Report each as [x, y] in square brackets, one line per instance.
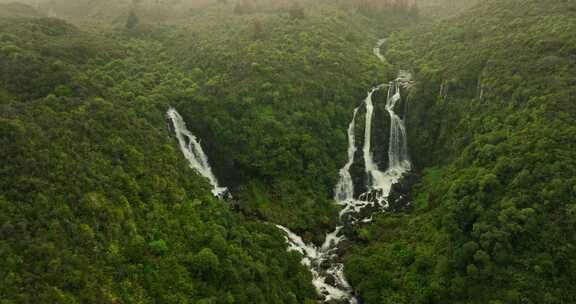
[98, 204]
[492, 125]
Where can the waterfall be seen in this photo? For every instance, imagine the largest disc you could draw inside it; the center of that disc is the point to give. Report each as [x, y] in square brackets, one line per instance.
[327, 272]
[345, 188]
[379, 183]
[375, 178]
[398, 161]
[370, 166]
[192, 150]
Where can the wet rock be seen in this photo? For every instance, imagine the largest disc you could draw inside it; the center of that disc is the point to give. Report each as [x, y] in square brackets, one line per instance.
[380, 129]
[330, 280]
[399, 197]
[357, 170]
[325, 265]
[341, 301]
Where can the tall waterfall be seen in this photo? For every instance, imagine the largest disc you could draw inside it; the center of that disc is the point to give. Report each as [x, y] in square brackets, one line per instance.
[370, 166]
[327, 272]
[192, 150]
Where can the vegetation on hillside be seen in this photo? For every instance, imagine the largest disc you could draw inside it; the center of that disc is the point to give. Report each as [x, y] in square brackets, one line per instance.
[272, 100]
[97, 204]
[492, 121]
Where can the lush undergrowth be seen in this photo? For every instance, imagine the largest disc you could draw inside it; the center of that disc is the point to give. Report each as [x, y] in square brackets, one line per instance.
[492, 117]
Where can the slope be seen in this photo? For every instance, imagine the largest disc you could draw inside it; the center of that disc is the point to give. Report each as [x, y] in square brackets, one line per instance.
[491, 125]
[97, 204]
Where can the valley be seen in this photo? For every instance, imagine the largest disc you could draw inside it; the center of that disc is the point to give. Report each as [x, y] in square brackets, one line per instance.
[285, 152]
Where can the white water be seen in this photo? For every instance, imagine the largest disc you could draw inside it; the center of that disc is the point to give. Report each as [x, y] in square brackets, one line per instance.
[313, 257]
[377, 49]
[345, 188]
[398, 146]
[192, 150]
[379, 186]
[370, 166]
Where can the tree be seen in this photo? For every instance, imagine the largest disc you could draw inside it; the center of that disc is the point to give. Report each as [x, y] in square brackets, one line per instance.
[296, 12]
[132, 21]
[258, 30]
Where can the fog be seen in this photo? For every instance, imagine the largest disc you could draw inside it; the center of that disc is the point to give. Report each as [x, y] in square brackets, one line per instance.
[162, 10]
[110, 9]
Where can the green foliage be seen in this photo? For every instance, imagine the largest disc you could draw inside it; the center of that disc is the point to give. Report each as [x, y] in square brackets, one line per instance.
[297, 12]
[97, 204]
[492, 225]
[271, 98]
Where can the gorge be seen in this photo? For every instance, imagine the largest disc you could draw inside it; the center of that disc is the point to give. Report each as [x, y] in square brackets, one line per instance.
[323, 261]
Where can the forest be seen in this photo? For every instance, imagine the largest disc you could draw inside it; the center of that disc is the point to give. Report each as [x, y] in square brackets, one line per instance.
[98, 203]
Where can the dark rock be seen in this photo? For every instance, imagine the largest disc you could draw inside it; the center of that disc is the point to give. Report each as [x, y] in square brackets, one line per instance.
[380, 129]
[400, 107]
[357, 170]
[399, 197]
[325, 265]
[330, 280]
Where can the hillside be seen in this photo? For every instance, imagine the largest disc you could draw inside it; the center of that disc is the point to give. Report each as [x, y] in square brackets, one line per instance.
[491, 123]
[98, 205]
[277, 97]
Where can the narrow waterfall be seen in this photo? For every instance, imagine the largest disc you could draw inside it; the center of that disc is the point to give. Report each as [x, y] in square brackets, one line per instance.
[192, 150]
[345, 188]
[398, 147]
[370, 166]
[327, 271]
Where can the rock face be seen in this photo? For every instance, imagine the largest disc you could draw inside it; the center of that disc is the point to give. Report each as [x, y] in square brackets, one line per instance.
[379, 137]
[357, 170]
[381, 133]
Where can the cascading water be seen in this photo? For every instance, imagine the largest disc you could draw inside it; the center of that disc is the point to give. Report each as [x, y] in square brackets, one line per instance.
[370, 166]
[377, 49]
[192, 150]
[328, 273]
[398, 147]
[378, 182]
[345, 188]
